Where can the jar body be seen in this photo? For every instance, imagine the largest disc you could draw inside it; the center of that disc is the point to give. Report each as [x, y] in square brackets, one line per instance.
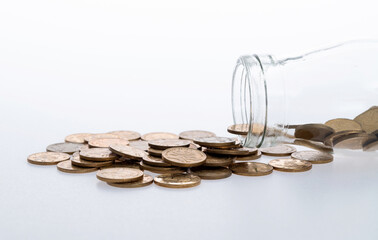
[276, 97]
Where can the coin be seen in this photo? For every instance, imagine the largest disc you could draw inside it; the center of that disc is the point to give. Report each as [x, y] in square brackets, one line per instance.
[100, 135]
[290, 165]
[215, 141]
[145, 181]
[77, 137]
[177, 180]
[192, 134]
[65, 147]
[47, 158]
[155, 161]
[314, 145]
[343, 124]
[128, 135]
[119, 175]
[194, 146]
[314, 132]
[142, 145]
[127, 151]
[332, 139]
[159, 135]
[156, 169]
[211, 172]
[368, 119]
[255, 156]
[155, 152]
[371, 146]
[313, 156]
[183, 157]
[97, 154]
[239, 129]
[77, 161]
[106, 142]
[218, 161]
[232, 152]
[168, 143]
[127, 164]
[251, 168]
[67, 167]
[351, 141]
[280, 150]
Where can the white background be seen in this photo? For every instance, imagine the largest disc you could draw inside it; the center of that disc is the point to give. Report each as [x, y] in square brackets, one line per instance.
[95, 66]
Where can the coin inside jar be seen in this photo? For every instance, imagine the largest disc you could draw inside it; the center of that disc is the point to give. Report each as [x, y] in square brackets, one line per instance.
[127, 151]
[145, 181]
[65, 147]
[290, 165]
[251, 168]
[168, 143]
[159, 135]
[183, 157]
[66, 166]
[97, 154]
[77, 161]
[77, 137]
[177, 180]
[106, 142]
[47, 158]
[211, 172]
[192, 134]
[313, 156]
[155, 161]
[119, 175]
[215, 141]
[280, 150]
[128, 135]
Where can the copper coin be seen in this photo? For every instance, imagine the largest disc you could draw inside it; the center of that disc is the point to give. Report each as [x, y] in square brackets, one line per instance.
[314, 132]
[155, 161]
[211, 172]
[65, 147]
[177, 180]
[368, 119]
[140, 144]
[192, 134]
[168, 143]
[128, 135]
[127, 151]
[239, 129]
[313, 156]
[332, 139]
[255, 156]
[290, 165]
[66, 166]
[77, 137]
[127, 164]
[145, 181]
[251, 168]
[184, 157]
[100, 135]
[280, 150]
[47, 158]
[314, 145]
[156, 169]
[106, 142]
[97, 154]
[155, 152]
[343, 124]
[218, 161]
[119, 175]
[352, 141]
[159, 135]
[232, 152]
[194, 146]
[215, 141]
[77, 161]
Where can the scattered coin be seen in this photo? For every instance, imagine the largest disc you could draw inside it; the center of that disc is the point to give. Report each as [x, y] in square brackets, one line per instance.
[97, 154]
[371, 146]
[127, 164]
[47, 158]
[168, 143]
[183, 157]
[156, 169]
[145, 181]
[314, 132]
[127, 151]
[280, 150]
[194, 146]
[77, 137]
[232, 152]
[368, 119]
[290, 165]
[155, 161]
[106, 142]
[211, 172]
[65, 147]
[192, 134]
[351, 141]
[332, 139]
[343, 124]
[159, 135]
[140, 144]
[313, 156]
[128, 135]
[251, 168]
[255, 156]
[119, 175]
[77, 161]
[67, 167]
[177, 180]
[100, 135]
[215, 141]
[218, 161]
[155, 152]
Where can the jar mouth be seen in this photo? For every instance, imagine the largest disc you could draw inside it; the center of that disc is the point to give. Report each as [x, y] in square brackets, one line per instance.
[249, 99]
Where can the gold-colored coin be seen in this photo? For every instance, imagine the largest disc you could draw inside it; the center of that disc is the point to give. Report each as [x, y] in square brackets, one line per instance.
[192, 134]
[159, 135]
[255, 156]
[177, 180]
[243, 129]
[66, 166]
[100, 135]
[215, 141]
[343, 124]
[77, 161]
[65, 147]
[128, 135]
[106, 142]
[119, 175]
[127, 151]
[155, 161]
[47, 158]
[168, 143]
[280, 150]
[314, 145]
[155, 152]
[313, 156]
[332, 139]
[184, 157]
[368, 119]
[218, 161]
[251, 169]
[161, 170]
[146, 180]
[352, 141]
[77, 137]
[290, 165]
[142, 145]
[125, 163]
[314, 132]
[211, 172]
[97, 154]
[194, 146]
[232, 152]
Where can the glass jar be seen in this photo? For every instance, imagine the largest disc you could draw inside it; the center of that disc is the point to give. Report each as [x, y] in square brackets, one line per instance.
[311, 99]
